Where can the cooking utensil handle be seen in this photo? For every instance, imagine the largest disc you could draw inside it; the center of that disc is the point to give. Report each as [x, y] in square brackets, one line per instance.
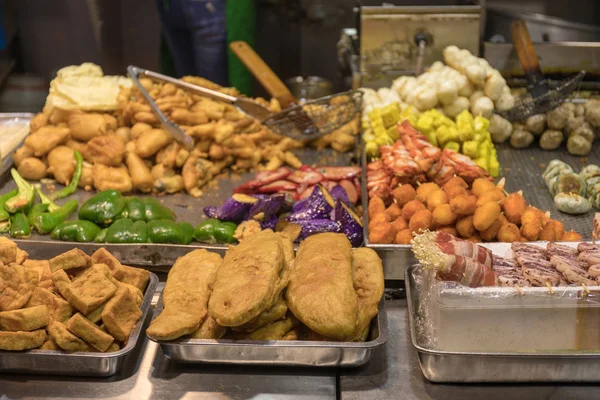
[261, 71]
[528, 58]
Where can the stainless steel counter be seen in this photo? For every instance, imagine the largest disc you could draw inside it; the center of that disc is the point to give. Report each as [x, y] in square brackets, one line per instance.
[392, 373]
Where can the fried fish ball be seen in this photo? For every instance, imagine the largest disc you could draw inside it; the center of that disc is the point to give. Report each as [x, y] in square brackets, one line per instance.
[403, 194]
[394, 211]
[571, 236]
[465, 204]
[424, 190]
[448, 229]
[420, 221]
[552, 231]
[514, 205]
[531, 223]
[485, 215]
[403, 237]
[455, 181]
[21, 153]
[436, 198]
[376, 206]
[443, 215]
[383, 233]
[495, 195]
[454, 191]
[464, 226]
[482, 186]
[490, 233]
[400, 224]
[411, 208]
[32, 168]
[509, 233]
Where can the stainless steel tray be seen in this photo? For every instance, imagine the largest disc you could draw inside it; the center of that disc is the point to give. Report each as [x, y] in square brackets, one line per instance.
[523, 171]
[50, 362]
[462, 367]
[278, 352]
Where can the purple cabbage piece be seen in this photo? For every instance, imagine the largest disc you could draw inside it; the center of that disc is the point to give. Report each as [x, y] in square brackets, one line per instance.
[269, 223]
[339, 194]
[234, 209]
[318, 206]
[265, 208]
[350, 223]
[315, 226]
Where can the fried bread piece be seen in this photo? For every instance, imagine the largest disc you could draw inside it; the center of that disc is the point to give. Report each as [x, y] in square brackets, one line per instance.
[368, 285]
[42, 267]
[73, 258]
[8, 250]
[18, 341]
[277, 311]
[15, 287]
[65, 339]
[209, 329]
[121, 314]
[186, 294]
[58, 309]
[102, 256]
[135, 276]
[251, 278]
[275, 331]
[321, 292]
[89, 332]
[91, 288]
[25, 319]
[288, 248]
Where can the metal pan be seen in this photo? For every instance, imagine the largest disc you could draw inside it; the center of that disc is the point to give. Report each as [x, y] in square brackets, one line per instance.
[278, 352]
[461, 367]
[49, 362]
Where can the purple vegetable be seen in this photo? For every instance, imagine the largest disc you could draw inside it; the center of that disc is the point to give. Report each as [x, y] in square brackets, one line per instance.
[263, 209]
[350, 223]
[234, 209]
[315, 226]
[299, 205]
[269, 223]
[317, 206]
[339, 194]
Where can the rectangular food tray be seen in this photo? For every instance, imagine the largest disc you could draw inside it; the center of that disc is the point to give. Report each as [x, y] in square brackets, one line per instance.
[278, 352]
[50, 362]
[502, 366]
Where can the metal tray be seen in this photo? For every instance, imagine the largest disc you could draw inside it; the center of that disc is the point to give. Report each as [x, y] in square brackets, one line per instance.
[523, 171]
[51, 362]
[278, 352]
[462, 367]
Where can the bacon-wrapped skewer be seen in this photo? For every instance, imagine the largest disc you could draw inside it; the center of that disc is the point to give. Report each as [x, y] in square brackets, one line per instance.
[454, 246]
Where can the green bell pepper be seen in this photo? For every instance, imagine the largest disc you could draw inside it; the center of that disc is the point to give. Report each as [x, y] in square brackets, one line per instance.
[126, 231]
[167, 231]
[35, 212]
[154, 210]
[214, 231]
[102, 208]
[101, 236]
[188, 232]
[72, 186]
[75, 231]
[5, 215]
[46, 222]
[19, 225]
[135, 209]
[24, 197]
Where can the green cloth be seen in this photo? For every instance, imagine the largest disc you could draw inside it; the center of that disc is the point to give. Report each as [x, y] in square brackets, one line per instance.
[241, 25]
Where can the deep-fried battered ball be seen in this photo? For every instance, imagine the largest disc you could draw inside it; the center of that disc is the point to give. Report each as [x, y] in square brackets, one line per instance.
[436, 198]
[514, 205]
[474, 239]
[465, 227]
[443, 215]
[481, 186]
[400, 224]
[553, 230]
[532, 223]
[403, 194]
[456, 181]
[453, 191]
[382, 233]
[495, 195]
[571, 236]
[394, 211]
[464, 204]
[509, 233]
[425, 190]
[411, 208]
[403, 237]
[376, 206]
[448, 229]
[420, 221]
[490, 233]
[380, 218]
[485, 215]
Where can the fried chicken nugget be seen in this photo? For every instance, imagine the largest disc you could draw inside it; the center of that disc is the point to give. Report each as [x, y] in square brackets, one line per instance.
[531, 223]
[368, 285]
[89, 332]
[106, 149]
[185, 297]
[17, 341]
[15, 287]
[25, 319]
[86, 126]
[58, 308]
[121, 314]
[485, 215]
[32, 168]
[65, 339]
[150, 142]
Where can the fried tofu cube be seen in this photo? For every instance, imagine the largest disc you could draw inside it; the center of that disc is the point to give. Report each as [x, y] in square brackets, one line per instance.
[73, 258]
[50, 344]
[62, 282]
[8, 250]
[121, 314]
[42, 267]
[15, 287]
[58, 308]
[21, 256]
[18, 341]
[90, 289]
[25, 319]
[113, 347]
[136, 276]
[137, 294]
[84, 329]
[102, 256]
[65, 339]
[95, 315]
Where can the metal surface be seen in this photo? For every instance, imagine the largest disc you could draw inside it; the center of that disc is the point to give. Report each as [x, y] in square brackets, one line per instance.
[387, 38]
[50, 362]
[10, 119]
[309, 87]
[296, 353]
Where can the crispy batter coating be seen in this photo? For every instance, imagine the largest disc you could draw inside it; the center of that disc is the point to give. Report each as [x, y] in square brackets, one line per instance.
[106, 149]
[61, 161]
[368, 285]
[209, 329]
[276, 312]
[116, 178]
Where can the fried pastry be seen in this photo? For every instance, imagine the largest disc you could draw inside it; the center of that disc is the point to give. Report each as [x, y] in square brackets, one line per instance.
[58, 309]
[25, 319]
[15, 287]
[17, 341]
[89, 332]
[65, 339]
[321, 292]
[73, 258]
[186, 295]
[209, 329]
[251, 278]
[121, 314]
[277, 311]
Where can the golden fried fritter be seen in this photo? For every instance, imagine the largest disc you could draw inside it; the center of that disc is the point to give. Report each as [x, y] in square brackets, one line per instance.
[89, 332]
[50, 344]
[121, 314]
[141, 177]
[111, 178]
[209, 329]
[275, 331]
[73, 258]
[15, 287]
[277, 311]
[106, 149]
[186, 295]
[321, 292]
[25, 319]
[17, 341]
[46, 138]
